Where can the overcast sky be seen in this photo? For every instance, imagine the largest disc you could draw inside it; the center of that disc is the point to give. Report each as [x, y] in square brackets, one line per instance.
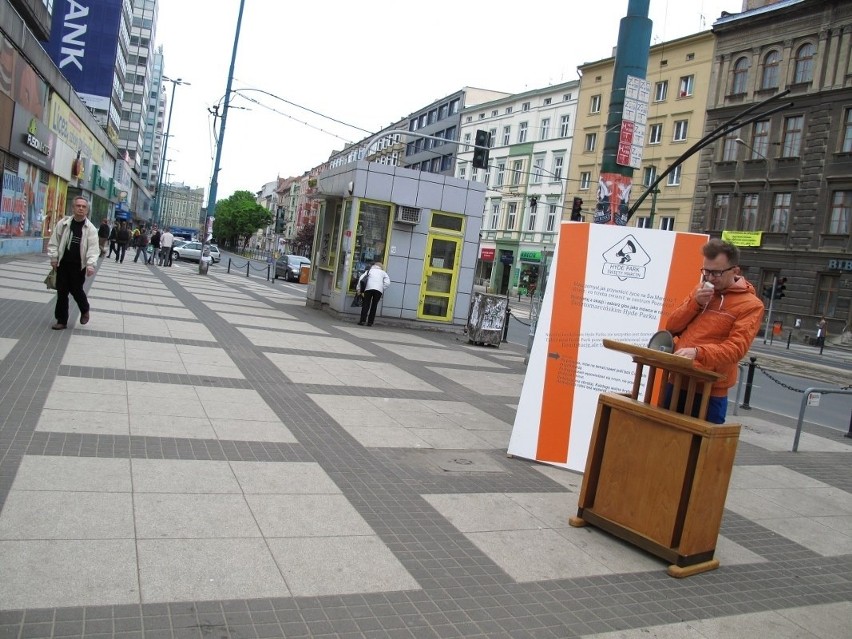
[367, 64]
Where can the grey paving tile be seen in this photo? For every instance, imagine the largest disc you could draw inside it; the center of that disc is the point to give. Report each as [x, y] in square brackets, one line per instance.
[66, 515]
[73, 474]
[290, 478]
[306, 516]
[196, 516]
[179, 476]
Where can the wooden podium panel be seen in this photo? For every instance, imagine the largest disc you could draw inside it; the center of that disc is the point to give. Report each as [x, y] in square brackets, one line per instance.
[657, 478]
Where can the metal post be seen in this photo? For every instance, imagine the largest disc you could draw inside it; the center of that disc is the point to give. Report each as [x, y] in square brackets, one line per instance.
[750, 378]
[248, 266]
[739, 393]
[506, 321]
[771, 300]
[789, 337]
[849, 434]
[214, 181]
[157, 199]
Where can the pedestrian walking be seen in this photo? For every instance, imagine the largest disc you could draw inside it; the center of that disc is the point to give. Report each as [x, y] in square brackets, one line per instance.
[73, 250]
[113, 240]
[155, 245]
[142, 247]
[166, 241]
[103, 236]
[374, 283]
[122, 240]
[822, 330]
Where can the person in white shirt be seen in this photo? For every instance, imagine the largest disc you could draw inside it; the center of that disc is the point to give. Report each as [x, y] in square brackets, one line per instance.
[166, 241]
[374, 282]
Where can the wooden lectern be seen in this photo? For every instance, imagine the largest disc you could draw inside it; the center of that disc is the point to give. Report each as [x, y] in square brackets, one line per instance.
[656, 478]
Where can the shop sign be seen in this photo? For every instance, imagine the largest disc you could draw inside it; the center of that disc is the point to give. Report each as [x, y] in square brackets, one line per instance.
[840, 265]
[530, 256]
[742, 238]
[32, 140]
[487, 254]
[507, 257]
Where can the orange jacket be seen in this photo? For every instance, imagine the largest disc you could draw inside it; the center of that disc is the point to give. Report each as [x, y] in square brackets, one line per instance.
[723, 330]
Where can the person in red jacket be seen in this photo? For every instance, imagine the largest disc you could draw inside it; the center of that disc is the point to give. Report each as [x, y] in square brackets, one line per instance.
[717, 323]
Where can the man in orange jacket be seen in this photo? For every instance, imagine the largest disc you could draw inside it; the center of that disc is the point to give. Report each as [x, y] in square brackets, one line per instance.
[717, 323]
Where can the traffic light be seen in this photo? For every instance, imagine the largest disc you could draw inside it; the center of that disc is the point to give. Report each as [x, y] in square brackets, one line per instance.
[577, 210]
[480, 152]
[780, 287]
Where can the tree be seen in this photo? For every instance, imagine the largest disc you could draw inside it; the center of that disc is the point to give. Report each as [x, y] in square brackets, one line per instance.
[238, 217]
[305, 237]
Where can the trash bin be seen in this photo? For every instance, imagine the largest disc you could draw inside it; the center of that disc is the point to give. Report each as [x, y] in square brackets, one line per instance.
[486, 319]
[304, 274]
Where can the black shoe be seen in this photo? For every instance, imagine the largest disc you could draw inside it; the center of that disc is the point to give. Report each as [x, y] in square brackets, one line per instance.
[370, 324]
[360, 323]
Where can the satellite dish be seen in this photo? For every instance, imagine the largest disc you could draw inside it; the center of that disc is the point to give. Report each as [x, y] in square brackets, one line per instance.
[662, 341]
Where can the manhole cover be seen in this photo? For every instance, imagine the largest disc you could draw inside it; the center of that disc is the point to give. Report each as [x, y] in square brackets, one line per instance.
[466, 462]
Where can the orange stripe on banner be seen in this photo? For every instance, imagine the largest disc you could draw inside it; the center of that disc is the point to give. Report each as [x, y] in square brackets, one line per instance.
[683, 277]
[563, 344]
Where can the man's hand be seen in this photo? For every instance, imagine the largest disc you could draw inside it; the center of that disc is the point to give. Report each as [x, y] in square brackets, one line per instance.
[704, 294]
[90, 270]
[691, 353]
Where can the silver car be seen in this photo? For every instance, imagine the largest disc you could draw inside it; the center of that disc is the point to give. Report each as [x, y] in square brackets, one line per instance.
[192, 251]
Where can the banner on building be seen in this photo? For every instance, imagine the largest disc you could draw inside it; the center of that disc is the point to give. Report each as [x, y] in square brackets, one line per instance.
[610, 282]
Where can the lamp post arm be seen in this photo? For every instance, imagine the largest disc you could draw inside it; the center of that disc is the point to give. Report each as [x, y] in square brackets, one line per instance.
[731, 125]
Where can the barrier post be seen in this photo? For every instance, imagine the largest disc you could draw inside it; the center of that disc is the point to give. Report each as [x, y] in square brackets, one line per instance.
[506, 321]
[248, 266]
[749, 379]
[229, 266]
[849, 434]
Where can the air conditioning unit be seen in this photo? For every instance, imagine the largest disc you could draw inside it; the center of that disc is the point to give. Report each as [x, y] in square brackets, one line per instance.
[407, 215]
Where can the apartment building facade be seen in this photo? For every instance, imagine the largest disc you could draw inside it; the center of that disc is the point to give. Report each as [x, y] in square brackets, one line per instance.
[531, 136]
[782, 185]
[679, 75]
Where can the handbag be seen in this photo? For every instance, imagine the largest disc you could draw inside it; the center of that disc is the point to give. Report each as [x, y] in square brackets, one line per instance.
[50, 280]
[358, 300]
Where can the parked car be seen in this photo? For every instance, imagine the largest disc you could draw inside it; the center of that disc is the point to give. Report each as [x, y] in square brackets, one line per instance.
[192, 251]
[289, 267]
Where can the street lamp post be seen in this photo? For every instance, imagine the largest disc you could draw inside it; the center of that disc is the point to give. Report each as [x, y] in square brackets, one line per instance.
[214, 180]
[158, 199]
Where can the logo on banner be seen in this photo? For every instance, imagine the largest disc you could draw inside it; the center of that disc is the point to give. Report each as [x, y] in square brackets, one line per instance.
[626, 260]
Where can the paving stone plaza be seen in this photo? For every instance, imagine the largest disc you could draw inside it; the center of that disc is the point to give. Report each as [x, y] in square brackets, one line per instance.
[207, 457]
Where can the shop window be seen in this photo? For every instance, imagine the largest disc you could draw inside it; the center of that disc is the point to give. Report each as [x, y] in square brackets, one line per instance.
[371, 236]
[447, 222]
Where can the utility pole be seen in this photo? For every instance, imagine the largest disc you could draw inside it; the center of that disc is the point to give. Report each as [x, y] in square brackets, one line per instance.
[214, 181]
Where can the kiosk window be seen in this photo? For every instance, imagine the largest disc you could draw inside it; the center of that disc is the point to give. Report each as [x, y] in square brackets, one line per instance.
[370, 238]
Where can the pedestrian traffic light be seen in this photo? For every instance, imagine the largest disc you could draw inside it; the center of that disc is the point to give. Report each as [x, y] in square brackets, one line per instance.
[780, 287]
[480, 151]
[577, 210]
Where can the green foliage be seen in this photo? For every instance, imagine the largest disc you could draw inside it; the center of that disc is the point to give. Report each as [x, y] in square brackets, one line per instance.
[238, 217]
[305, 236]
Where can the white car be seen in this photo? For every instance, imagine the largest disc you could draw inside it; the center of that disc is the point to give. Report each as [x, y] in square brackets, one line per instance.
[192, 251]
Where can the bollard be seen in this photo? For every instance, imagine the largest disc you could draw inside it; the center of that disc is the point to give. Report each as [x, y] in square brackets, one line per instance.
[749, 379]
[248, 266]
[229, 266]
[849, 434]
[267, 272]
[789, 337]
[506, 323]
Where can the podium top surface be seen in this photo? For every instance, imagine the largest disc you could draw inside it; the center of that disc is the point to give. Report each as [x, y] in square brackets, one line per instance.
[663, 360]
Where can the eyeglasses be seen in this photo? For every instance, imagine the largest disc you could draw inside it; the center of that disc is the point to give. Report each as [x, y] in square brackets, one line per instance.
[706, 272]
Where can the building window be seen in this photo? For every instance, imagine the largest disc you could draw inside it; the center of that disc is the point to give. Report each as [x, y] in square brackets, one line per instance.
[680, 128]
[522, 133]
[492, 138]
[494, 113]
[508, 110]
[838, 223]
[454, 106]
[538, 168]
[507, 132]
[792, 143]
[760, 140]
[495, 214]
[655, 134]
[847, 132]
[649, 176]
[463, 173]
[564, 126]
[466, 140]
[545, 129]
[442, 111]
[748, 217]
[686, 86]
[517, 166]
[585, 180]
[501, 171]
[721, 208]
[827, 288]
[551, 218]
[674, 176]
[740, 77]
[729, 148]
[566, 97]
[511, 216]
[547, 101]
[769, 79]
[667, 223]
[558, 162]
[531, 219]
[643, 222]
[433, 116]
[660, 91]
[591, 141]
[780, 213]
[595, 104]
[525, 106]
[804, 64]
